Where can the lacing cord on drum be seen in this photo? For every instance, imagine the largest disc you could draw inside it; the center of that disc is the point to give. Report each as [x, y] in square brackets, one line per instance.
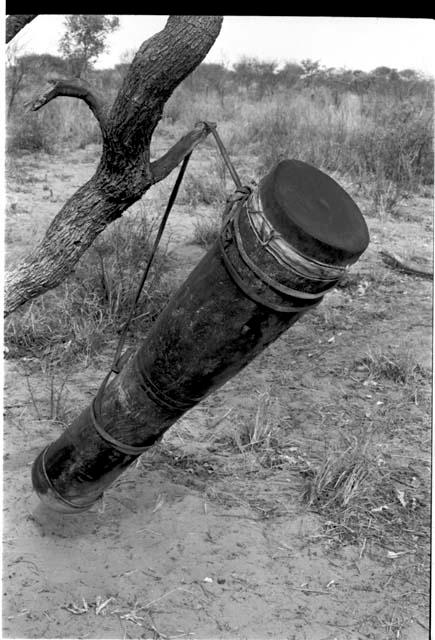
[288, 256]
[231, 233]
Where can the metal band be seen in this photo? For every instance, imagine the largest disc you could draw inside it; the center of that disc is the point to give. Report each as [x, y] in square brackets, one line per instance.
[116, 444]
[159, 397]
[283, 252]
[251, 294]
[56, 492]
[277, 286]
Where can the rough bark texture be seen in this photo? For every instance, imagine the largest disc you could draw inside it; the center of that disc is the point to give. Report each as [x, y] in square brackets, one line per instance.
[15, 23]
[125, 172]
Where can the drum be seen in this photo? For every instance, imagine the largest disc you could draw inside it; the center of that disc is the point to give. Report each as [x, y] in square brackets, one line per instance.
[283, 245]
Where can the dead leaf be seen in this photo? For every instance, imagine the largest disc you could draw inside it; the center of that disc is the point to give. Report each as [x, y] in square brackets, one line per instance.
[160, 502]
[401, 497]
[76, 610]
[380, 509]
[100, 605]
[396, 554]
[362, 287]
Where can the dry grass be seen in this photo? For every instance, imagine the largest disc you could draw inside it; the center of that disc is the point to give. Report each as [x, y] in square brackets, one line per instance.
[207, 188]
[82, 315]
[206, 231]
[398, 365]
[54, 408]
[256, 434]
[63, 123]
[387, 196]
[364, 499]
[382, 143]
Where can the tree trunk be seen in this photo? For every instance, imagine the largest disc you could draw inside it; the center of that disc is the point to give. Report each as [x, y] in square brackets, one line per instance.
[15, 23]
[125, 172]
[73, 230]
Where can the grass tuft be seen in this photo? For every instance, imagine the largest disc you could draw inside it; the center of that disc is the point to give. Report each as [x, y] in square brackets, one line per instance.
[362, 498]
[399, 366]
[205, 231]
[257, 433]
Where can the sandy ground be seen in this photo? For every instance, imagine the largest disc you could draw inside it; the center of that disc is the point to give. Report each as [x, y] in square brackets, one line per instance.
[200, 539]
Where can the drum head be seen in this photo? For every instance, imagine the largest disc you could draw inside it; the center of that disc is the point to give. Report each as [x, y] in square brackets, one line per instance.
[296, 194]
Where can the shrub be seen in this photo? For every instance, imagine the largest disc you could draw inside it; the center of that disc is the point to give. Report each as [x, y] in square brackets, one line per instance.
[373, 140]
[398, 365]
[363, 498]
[204, 189]
[87, 311]
[64, 122]
[31, 133]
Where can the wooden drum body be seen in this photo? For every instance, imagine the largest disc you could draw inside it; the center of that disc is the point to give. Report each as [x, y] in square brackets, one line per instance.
[281, 248]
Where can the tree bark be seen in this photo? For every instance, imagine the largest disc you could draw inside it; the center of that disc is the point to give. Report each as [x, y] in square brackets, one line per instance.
[125, 172]
[15, 23]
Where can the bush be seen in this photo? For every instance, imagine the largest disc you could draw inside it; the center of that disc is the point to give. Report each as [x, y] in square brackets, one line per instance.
[62, 123]
[206, 189]
[88, 310]
[379, 133]
[30, 134]
[384, 146]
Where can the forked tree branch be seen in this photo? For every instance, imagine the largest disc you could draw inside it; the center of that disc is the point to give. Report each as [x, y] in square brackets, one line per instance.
[165, 164]
[158, 67]
[124, 172]
[15, 23]
[72, 88]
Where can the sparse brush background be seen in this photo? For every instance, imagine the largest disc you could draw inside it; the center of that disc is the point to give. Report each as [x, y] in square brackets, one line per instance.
[376, 127]
[374, 130]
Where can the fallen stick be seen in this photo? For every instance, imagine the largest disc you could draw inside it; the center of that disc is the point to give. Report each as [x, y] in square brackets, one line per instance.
[395, 262]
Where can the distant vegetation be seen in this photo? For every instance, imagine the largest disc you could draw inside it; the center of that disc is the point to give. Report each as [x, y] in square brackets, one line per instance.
[373, 130]
[376, 127]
